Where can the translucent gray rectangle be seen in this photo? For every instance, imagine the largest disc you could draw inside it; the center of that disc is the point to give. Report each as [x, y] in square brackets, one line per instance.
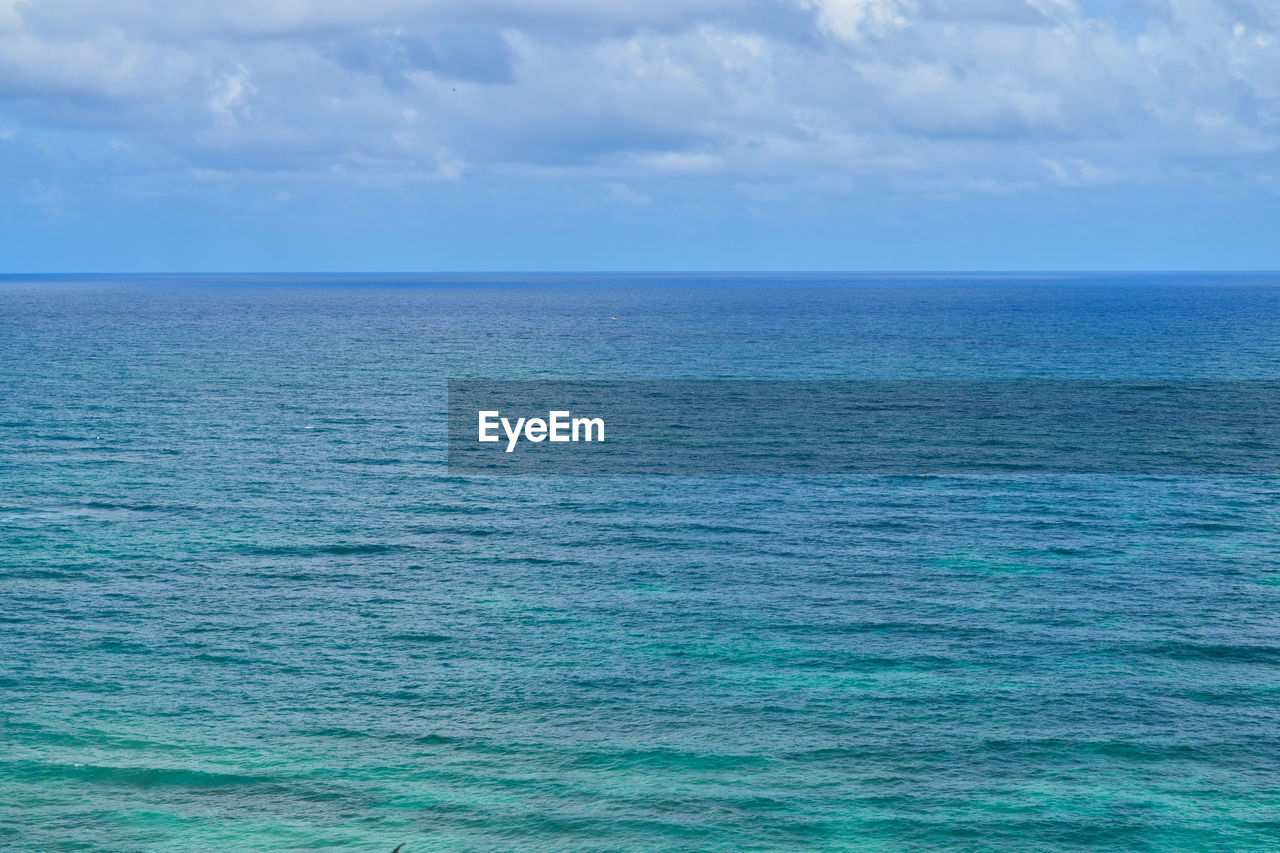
[908, 427]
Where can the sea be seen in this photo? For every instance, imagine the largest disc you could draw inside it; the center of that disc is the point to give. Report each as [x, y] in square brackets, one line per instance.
[246, 606]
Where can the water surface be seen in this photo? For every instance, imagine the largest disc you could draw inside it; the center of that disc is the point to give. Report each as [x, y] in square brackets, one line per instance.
[245, 607]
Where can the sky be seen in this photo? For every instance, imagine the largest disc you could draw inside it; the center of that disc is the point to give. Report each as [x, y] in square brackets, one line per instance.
[371, 135]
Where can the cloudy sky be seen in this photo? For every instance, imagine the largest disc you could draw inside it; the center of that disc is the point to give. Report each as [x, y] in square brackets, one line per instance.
[639, 134]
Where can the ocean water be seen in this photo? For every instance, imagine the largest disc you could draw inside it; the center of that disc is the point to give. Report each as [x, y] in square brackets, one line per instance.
[246, 606]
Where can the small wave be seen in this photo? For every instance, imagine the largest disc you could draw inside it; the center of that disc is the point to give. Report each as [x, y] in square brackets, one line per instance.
[144, 777]
[368, 460]
[420, 637]
[134, 507]
[339, 549]
[1140, 751]
[471, 530]
[1217, 652]
[668, 758]
[456, 509]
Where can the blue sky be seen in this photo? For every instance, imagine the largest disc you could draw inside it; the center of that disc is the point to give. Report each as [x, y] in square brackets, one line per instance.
[146, 135]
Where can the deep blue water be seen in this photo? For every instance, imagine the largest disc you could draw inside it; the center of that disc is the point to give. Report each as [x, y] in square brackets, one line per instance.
[246, 607]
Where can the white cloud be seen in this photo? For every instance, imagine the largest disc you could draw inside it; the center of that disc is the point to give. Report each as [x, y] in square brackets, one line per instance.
[10, 15]
[680, 162]
[1078, 173]
[229, 98]
[853, 19]
[1001, 93]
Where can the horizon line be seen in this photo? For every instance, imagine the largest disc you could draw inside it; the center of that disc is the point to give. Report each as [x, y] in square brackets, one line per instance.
[653, 272]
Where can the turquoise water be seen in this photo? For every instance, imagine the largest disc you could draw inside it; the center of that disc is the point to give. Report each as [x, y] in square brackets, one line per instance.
[247, 608]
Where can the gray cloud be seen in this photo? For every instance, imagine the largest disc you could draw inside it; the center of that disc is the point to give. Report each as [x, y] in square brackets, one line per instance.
[459, 52]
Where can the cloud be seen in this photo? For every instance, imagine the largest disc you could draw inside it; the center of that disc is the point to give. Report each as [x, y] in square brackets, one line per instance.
[1077, 173]
[230, 95]
[853, 19]
[459, 52]
[816, 94]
